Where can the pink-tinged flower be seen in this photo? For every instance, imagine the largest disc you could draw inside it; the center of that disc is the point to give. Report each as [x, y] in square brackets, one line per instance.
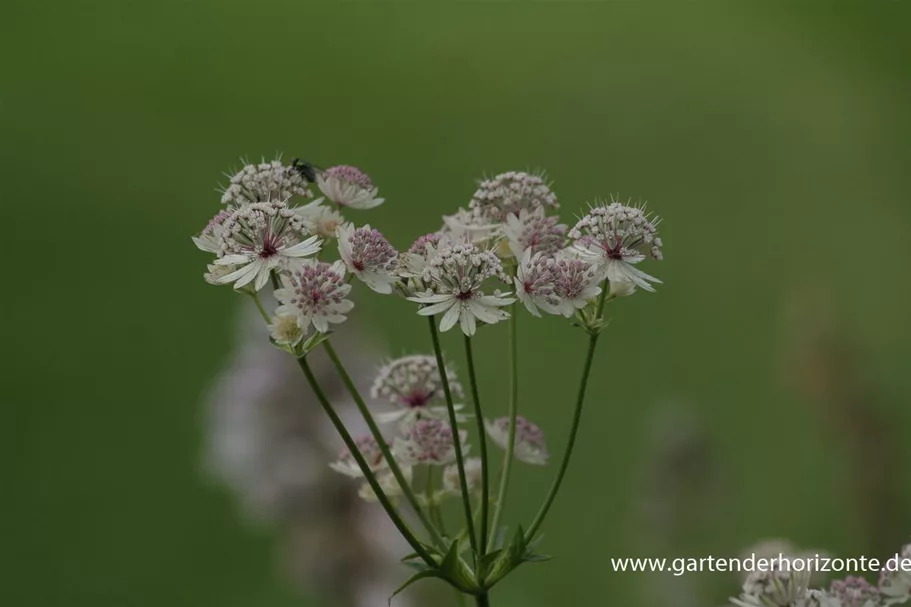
[369, 256]
[529, 444]
[428, 441]
[854, 591]
[575, 283]
[369, 449]
[413, 385]
[260, 237]
[530, 229]
[894, 581]
[456, 276]
[265, 182]
[509, 193]
[209, 240]
[473, 471]
[348, 186]
[535, 284]
[616, 237]
[315, 294]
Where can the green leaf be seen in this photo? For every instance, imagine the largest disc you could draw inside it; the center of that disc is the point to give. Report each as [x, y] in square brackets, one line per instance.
[531, 557]
[454, 570]
[430, 573]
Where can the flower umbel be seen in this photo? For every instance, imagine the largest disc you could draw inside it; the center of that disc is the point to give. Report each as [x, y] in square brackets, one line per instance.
[369, 256]
[428, 441]
[456, 275]
[265, 182]
[575, 282]
[348, 186]
[369, 448]
[854, 591]
[616, 237]
[530, 446]
[508, 193]
[530, 229]
[261, 237]
[535, 284]
[315, 294]
[473, 471]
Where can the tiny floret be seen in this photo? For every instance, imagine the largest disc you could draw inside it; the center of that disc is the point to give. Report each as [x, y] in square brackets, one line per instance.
[260, 237]
[369, 256]
[265, 182]
[530, 446]
[348, 186]
[509, 193]
[315, 295]
[617, 237]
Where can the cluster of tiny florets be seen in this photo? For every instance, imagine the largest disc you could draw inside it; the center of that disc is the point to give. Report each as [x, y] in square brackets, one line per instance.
[508, 193]
[462, 269]
[535, 284]
[371, 251]
[854, 591]
[264, 182]
[530, 446]
[262, 228]
[348, 186]
[427, 441]
[350, 174]
[413, 382]
[369, 449]
[618, 231]
[315, 294]
[536, 231]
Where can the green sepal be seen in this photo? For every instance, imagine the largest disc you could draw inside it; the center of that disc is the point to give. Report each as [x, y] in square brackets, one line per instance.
[312, 342]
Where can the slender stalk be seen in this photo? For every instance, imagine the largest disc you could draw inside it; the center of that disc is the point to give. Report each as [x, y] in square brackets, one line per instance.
[394, 467]
[574, 430]
[259, 306]
[482, 600]
[513, 411]
[482, 443]
[456, 439]
[365, 468]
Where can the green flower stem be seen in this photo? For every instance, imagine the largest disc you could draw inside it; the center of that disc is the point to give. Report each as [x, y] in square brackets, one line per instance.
[456, 439]
[577, 418]
[513, 409]
[394, 467]
[482, 600]
[365, 468]
[482, 443]
[259, 306]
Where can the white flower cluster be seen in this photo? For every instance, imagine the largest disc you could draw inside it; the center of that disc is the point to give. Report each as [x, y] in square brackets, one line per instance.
[790, 589]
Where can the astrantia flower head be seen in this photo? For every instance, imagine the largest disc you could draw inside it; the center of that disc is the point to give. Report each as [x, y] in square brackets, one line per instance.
[428, 441]
[854, 591]
[414, 386]
[260, 237]
[473, 471]
[388, 483]
[617, 237]
[209, 240]
[530, 446]
[535, 284]
[508, 193]
[320, 219]
[469, 226]
[369, 256]
[894, 582]
[575, 283]
[773, 589]
[348, 186]
[369, 449]
[285, 331]
[265, 182]
[530, 229]
[315, 294]
[456, 275]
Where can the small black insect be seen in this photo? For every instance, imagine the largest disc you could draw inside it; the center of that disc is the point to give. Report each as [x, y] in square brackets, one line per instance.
[306, 170]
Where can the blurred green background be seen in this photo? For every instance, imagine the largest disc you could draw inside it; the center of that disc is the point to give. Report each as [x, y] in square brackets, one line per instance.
[773, 138]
